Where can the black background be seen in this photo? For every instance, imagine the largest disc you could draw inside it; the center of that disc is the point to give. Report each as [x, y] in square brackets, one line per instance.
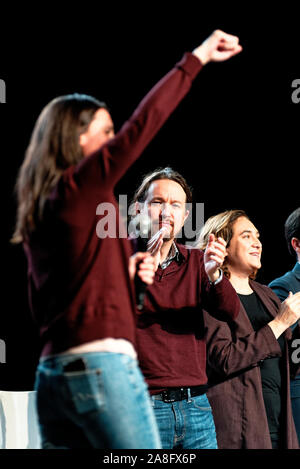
[235, 136]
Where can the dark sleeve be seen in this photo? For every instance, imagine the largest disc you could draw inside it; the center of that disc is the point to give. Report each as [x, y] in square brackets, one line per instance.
[85, 185]
[280, 289]
[228, 354]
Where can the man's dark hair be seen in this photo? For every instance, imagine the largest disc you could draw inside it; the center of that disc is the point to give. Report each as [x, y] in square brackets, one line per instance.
[161, 173]
[292, 229]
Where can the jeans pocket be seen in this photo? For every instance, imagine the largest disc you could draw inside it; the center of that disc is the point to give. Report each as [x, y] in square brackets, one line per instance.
[201, 403]
[86, 389]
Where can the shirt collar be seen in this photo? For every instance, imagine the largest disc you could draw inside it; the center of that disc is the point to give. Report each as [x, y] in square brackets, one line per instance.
[173, 254]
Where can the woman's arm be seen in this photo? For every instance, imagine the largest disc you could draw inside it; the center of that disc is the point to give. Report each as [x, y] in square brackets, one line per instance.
[227, 353]
[97, 174]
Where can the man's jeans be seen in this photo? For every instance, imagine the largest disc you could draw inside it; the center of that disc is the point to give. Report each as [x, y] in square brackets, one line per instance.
[186, 424]
[105, 405]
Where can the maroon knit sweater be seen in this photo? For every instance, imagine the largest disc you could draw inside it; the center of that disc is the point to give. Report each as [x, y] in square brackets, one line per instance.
[171, 335]
[79, 286]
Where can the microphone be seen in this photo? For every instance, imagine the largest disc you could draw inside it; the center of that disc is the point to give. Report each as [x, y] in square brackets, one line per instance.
[141, 224]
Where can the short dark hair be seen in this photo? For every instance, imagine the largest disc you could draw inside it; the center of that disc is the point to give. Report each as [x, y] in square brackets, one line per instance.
[161, 173]
[292, 229]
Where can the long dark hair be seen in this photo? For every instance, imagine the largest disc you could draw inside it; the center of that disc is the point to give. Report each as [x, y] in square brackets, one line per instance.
[53, 147]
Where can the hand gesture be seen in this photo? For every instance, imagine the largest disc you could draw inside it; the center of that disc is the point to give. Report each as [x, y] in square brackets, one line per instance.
[143, 263]
[219, 46]
[214, 256]
[288, 314]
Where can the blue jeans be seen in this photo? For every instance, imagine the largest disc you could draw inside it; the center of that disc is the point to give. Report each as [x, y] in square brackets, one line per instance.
[186, 424]
[106, 405]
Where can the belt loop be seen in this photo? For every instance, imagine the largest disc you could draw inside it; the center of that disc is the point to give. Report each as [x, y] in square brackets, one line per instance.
[189, 398]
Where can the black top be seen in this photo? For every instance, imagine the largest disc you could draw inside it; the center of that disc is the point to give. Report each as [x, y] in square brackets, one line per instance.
[270, 368]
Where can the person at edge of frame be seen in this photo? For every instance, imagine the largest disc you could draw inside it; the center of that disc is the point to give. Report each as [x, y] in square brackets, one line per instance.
[290, 282]
[249, 360]
[170, 330]
[90, 391]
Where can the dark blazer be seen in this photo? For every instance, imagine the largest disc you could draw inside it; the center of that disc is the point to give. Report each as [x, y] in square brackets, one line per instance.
[282, 286]
[288, 282]
[234, 351]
